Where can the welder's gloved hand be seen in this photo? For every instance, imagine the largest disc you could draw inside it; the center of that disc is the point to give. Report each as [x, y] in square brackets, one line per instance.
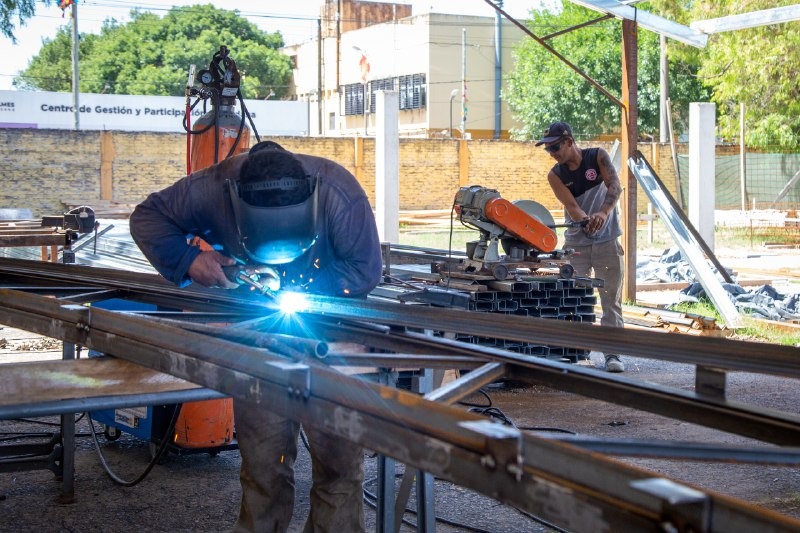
[267, 276]
[206, 270]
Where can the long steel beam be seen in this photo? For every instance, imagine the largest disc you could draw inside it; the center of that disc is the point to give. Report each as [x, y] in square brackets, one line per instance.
[707, 351]
[767, 425]
[578, 490]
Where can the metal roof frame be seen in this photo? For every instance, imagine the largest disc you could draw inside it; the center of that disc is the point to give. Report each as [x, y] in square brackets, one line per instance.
[648, 21]
[776, 15]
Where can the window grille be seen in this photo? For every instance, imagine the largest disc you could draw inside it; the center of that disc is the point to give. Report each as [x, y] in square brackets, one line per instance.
[354, 99]
[386, 84]
[413, 91]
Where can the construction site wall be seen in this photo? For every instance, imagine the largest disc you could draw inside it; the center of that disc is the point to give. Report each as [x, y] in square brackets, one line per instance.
[47, 170]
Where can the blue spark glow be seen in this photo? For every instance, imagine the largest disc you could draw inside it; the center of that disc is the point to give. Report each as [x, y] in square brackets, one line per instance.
[292, 302]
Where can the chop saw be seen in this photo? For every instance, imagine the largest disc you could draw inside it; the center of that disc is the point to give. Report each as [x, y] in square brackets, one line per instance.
[523, 229]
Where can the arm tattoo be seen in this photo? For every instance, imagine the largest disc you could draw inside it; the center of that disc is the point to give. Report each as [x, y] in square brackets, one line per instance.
[611, 179]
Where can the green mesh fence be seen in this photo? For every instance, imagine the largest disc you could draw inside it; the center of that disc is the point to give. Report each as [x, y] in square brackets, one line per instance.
[772, 181]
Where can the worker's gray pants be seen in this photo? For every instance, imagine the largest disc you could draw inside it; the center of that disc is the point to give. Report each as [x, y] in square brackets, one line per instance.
[268, 444]
[605, 259]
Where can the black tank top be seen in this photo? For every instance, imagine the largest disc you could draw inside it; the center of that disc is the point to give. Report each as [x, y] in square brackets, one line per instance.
[585, 177]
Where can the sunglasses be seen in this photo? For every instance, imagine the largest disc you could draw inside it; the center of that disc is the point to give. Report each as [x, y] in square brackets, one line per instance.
[553, 148]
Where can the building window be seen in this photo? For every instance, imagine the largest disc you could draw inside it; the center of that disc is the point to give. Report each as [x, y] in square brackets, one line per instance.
[354, 99]
[293, 59]
[412, 91]
[386, 84]
[331, 121]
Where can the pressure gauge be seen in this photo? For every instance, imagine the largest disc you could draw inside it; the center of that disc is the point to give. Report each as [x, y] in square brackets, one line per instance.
[206, 78]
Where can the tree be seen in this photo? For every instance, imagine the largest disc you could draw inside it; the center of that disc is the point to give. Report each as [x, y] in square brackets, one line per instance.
[542, 89]
[22, 9]
[151, 55]
[756, 67]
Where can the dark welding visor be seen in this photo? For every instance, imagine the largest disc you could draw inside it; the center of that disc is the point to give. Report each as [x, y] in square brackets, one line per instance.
[279, 234]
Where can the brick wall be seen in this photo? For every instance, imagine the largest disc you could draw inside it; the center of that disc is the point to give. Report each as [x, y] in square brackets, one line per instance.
[42, 169]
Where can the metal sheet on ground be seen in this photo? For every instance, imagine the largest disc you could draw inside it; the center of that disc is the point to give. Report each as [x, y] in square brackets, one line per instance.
[686, 241]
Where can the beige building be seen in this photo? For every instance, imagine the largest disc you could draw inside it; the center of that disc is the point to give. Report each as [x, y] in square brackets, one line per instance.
[431, 60]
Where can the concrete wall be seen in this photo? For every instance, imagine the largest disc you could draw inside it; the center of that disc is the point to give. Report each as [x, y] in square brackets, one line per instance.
[44, 169]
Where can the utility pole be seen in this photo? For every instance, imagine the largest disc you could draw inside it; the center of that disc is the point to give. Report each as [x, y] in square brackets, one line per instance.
[498, 69]
[664, 82]
[75, 80]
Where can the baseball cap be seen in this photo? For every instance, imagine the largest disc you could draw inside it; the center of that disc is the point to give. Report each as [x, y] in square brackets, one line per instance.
[556, 131]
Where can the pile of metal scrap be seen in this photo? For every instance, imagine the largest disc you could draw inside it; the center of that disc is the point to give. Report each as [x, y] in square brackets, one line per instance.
[669, 321]
[528, 295]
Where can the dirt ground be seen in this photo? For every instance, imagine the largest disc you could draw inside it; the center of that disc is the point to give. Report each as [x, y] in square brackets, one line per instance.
[200, 493]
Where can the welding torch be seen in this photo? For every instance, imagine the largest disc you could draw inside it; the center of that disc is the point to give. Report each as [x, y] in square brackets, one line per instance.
[262, 278]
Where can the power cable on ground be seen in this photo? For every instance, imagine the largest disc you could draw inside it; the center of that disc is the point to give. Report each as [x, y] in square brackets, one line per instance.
[162, 447]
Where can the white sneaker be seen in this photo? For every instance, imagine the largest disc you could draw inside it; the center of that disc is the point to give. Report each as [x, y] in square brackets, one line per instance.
[613, 364]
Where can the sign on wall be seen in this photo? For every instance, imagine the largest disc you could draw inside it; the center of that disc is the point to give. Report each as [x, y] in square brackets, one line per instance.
[48, 110]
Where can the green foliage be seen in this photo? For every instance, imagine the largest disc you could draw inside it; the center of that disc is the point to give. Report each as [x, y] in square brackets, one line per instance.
[543, 89]
[53, 65]
[151, 55]
[22, 10]
[756, 67]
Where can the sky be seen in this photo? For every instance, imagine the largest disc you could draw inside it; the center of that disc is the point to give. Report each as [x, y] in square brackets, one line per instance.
[296, 20]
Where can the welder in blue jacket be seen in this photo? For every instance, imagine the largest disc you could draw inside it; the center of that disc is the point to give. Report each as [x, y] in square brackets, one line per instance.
[309, 219]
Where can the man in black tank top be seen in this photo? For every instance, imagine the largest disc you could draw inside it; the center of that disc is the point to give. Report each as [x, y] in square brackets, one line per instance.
[586, 183]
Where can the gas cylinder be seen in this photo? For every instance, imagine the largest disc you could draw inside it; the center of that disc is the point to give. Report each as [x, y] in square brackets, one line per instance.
[228, 122]
[205, 424]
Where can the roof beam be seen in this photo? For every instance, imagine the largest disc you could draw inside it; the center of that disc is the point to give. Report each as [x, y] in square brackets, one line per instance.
[648, 21]
[743, 21]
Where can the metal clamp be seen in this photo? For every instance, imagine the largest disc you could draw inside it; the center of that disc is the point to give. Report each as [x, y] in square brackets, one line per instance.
[298, 378]
[83, 324]
[682, 508]
[503, 443]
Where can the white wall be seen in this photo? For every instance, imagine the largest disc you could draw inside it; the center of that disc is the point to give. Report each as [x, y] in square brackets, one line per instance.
[48, 110]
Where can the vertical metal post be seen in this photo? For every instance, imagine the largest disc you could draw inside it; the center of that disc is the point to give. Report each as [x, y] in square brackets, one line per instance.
[319, 76]
[742, 158]
[498, 69]
[75, 79]
[426, 516]
[68, 443]
[453, 94]
[426, 510]
[386, 519]
[678, 191]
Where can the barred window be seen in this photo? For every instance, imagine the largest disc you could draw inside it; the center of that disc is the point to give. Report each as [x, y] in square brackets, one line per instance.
[386, 84]
[354, 99]
[413, 91]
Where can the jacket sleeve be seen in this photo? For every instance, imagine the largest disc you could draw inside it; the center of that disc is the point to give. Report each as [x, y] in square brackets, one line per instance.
[355, 265]
[160, 226]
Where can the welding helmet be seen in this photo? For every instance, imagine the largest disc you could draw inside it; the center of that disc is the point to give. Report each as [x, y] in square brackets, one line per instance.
[275, 206]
